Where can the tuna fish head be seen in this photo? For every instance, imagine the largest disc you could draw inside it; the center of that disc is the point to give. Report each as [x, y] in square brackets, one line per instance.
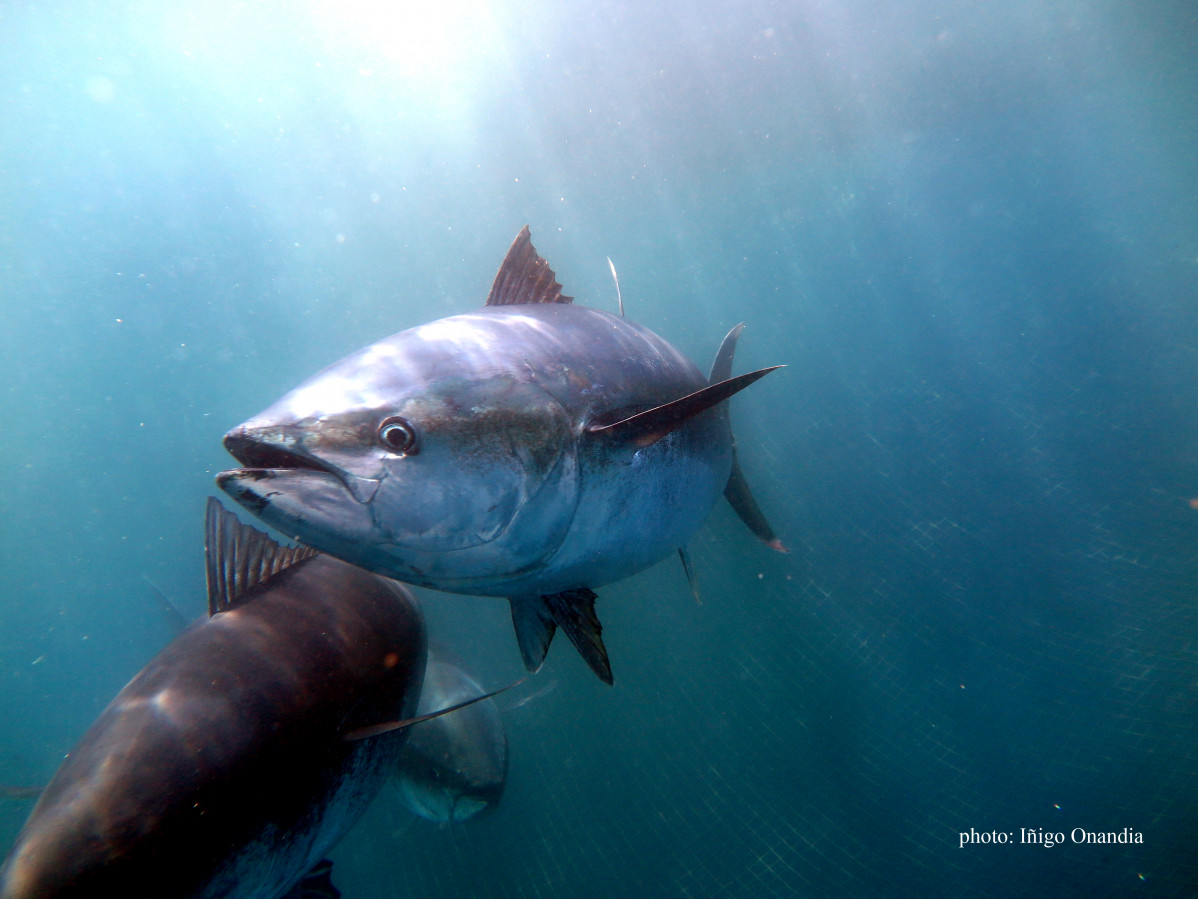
[407, 459]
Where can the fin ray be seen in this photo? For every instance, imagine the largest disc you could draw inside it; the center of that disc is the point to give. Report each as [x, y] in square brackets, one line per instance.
[239, 557]
[574, 613]
[525, 277]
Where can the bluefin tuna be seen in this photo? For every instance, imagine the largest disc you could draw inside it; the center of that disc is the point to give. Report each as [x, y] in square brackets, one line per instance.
[453, 766]
[532, 449]
[229, 766]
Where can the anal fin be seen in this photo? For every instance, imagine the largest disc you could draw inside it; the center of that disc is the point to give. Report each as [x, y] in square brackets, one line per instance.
[737, 489]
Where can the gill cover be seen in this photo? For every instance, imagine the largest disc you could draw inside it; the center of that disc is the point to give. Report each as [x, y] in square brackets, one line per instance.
[494, 455]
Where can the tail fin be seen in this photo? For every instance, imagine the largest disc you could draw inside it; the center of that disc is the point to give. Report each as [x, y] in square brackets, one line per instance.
[741, 498]
[737, 490]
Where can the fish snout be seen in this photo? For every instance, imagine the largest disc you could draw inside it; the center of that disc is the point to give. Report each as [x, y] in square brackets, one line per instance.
[237, 442]
[272, 447]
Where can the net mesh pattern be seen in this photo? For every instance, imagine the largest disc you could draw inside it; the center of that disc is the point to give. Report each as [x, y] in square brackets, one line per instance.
[968, 634]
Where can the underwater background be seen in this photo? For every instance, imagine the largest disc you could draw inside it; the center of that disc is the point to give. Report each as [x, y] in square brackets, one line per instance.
[969, 229]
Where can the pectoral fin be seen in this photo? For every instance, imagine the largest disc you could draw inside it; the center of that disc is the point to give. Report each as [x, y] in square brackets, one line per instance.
[375, 730]
[648, 427]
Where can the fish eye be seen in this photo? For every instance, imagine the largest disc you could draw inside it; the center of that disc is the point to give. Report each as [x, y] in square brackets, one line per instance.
[398, 435]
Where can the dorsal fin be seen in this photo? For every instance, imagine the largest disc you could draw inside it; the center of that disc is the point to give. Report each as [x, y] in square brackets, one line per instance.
[525, 277]
[240, 557]
[648, 427]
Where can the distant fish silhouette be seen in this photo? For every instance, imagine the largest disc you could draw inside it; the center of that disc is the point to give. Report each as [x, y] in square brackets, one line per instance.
[8, 791]
[455, 765]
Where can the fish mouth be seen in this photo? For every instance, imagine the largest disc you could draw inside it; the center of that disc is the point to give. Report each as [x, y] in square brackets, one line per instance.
[274, 454]
[253, 453]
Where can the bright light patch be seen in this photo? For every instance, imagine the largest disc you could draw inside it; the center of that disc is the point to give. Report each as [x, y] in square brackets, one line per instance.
[435, 42]
[401, 64]
[100, 89]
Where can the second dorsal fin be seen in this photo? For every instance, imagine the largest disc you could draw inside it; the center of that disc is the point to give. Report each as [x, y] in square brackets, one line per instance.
[239, 557]
[525, 277]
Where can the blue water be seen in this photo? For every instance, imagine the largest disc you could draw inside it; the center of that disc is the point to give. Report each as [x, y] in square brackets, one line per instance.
[968, 228]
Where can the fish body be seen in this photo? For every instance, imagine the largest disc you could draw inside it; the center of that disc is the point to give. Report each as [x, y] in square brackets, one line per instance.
[222, 768]
[507, 493]
[454, 766]
[531, 449]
